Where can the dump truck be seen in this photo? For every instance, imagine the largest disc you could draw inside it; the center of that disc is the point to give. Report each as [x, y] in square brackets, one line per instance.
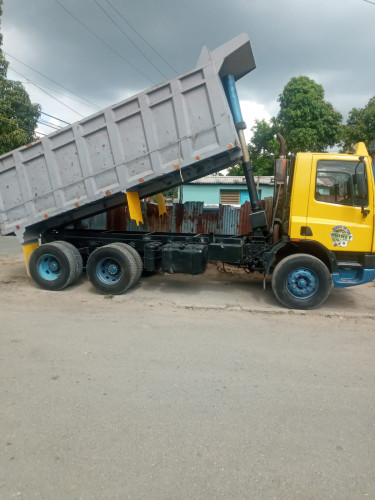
[322, 229]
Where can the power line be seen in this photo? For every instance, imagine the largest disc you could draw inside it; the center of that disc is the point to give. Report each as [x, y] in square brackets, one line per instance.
[49, 88]
[46, 124]
[140, 36]
[53, 90]
[52, 97]
[58, 100]
[43, 112]
[59, 119]
[50, 79]
[368, 1]
[130, 40]
[103, 41]
[43, 122]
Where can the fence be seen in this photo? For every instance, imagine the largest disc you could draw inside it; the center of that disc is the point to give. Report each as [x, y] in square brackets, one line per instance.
[190, 217]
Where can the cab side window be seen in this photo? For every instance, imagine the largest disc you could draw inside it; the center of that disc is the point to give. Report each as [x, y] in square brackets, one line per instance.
[336, 182]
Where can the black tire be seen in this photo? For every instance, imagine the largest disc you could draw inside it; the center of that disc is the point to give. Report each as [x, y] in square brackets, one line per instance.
[52, 266]
[111, 269]
[301, 281]
[136, 257]
[77, 259]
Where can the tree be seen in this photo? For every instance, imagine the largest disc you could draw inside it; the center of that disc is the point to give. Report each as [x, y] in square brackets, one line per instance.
[263, 149]
[18, 116]
[360, 125]
[305, 119]
[236, 170]
[3, 63]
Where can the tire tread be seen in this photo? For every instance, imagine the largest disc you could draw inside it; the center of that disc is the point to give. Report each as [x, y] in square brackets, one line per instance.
[67, 261]
[283, 269]
[130, 271]
[78, 268]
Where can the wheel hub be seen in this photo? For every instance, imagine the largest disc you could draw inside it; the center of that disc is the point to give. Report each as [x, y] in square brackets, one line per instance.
[302, 283]
[48, 267]
[112, 269]
[108, 271]
[53, 266]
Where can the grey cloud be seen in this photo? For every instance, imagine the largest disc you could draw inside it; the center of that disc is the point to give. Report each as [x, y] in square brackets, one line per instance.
[331, 41]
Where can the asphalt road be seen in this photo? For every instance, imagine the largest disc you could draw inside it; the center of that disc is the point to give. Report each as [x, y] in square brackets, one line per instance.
[165, 393]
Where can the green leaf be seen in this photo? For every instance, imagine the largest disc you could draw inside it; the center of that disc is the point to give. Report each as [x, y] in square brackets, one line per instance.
[305, 119]
[18, 116]
[360, 125]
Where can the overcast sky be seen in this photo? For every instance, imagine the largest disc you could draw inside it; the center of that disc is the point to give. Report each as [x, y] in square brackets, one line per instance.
[331, 41]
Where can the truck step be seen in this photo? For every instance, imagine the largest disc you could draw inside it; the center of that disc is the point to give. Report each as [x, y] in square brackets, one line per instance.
[349, 265]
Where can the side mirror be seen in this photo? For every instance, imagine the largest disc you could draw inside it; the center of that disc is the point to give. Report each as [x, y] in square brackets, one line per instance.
[360, 181]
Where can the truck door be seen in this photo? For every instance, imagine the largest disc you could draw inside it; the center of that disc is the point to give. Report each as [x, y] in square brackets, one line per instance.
[335, 217]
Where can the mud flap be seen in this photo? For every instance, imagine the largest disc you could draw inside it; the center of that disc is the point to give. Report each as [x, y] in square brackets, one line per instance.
[27, 251]
[134, 205]
[161, 204]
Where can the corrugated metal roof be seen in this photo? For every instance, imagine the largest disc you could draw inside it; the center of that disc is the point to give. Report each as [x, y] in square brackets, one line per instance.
[232, 179]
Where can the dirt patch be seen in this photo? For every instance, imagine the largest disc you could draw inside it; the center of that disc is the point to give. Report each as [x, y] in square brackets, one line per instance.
[221, 272]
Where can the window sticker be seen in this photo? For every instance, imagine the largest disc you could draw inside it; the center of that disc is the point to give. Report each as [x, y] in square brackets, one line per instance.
[341, 236]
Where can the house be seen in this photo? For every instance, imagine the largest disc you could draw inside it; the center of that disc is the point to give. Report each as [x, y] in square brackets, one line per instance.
[225, 190]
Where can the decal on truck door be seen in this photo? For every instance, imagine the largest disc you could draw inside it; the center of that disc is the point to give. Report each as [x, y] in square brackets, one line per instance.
[341, 236]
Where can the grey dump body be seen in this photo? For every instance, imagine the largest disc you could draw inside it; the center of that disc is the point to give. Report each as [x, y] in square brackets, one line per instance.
[174, 132]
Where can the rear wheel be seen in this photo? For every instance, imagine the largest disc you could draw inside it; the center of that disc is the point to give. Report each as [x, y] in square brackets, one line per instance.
[77, 259]
[136, 257]
[112, 269]
[301, 281]
[52, 266]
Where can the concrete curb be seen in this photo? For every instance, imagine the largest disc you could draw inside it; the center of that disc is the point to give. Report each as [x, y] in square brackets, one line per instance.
[252, 309]
[297, 312]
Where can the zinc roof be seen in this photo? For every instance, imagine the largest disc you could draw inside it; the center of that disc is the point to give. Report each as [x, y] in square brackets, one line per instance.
[232, 179]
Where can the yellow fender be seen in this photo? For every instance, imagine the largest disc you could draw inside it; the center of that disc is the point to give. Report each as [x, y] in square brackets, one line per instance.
[27, 251]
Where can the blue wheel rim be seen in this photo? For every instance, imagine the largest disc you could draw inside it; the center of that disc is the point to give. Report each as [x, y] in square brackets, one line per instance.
[302, 283]
[49, 268]
[108, 271]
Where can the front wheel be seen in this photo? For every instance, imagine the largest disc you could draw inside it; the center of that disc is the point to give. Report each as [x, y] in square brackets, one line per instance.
[301, 281]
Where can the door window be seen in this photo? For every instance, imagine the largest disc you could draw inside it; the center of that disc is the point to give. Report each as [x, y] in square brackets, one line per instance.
[336, 182]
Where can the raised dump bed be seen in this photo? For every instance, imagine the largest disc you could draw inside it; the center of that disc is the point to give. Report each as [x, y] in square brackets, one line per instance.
[177, 131]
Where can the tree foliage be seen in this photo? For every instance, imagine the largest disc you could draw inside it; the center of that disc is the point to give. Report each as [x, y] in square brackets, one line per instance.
[3, 63]
[263, 149]
[305, 119]
[360, 125]
[18, 116]
[236, 170]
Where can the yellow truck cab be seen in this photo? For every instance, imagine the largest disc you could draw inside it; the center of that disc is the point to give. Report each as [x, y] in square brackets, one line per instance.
[331, 219]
